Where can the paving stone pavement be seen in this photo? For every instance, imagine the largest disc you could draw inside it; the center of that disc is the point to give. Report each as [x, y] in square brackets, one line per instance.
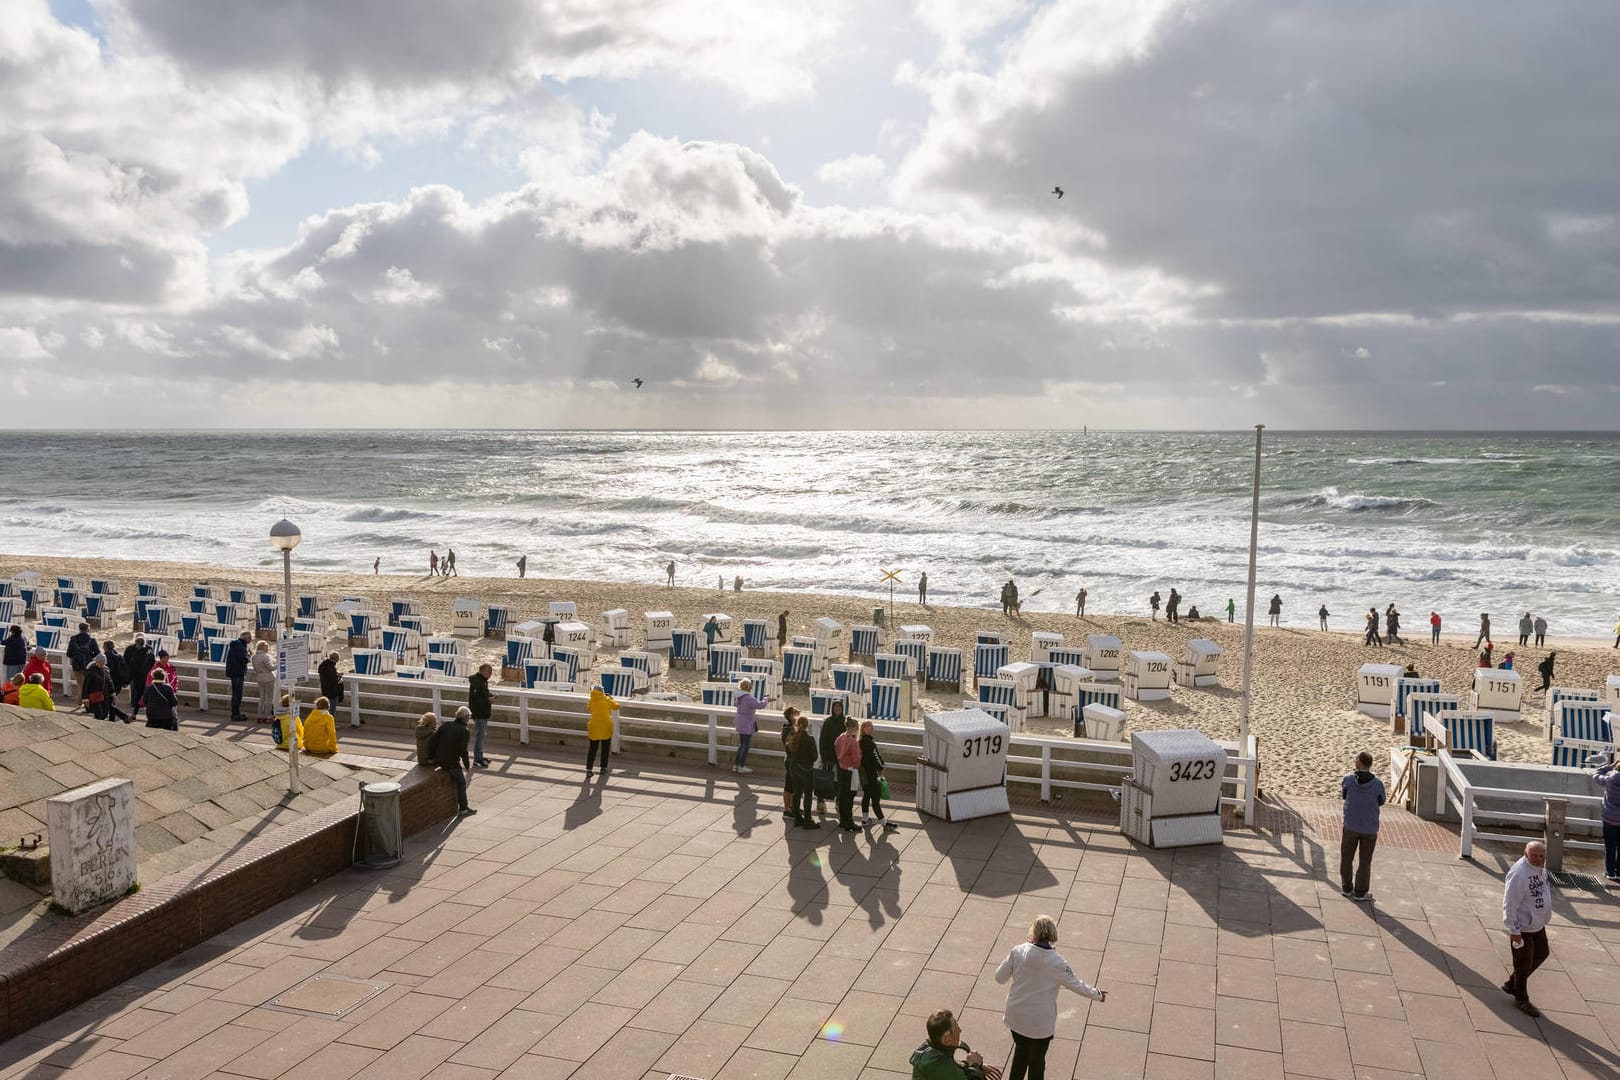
[669, 922]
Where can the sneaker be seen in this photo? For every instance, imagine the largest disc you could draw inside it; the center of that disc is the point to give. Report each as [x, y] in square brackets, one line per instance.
[809, 824]
[1365, 898]
[1528, 1009]
[466, 811]
[889, 826]
[734, 768]
[1612, 879]
[866, 819]
[482, 763]
[1507, 988]
[744, 769]
[1347, 890]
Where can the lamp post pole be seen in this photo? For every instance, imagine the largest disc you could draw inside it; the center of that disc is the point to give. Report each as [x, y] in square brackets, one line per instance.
[1248, 615]
[285, 536]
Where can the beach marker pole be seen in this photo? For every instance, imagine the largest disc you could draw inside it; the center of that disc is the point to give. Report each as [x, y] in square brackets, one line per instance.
[285, 536]
[1248, 613]
[891, 576]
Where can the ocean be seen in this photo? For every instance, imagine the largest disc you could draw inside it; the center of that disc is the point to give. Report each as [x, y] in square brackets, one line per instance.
[1461, 523]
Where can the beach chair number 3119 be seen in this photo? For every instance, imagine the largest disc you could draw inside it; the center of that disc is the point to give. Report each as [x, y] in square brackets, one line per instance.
[981, 744]
[1191, 770]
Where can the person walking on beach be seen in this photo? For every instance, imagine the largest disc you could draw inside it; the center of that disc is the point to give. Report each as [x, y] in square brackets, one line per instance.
[1540, 627]
[1609, 780]
[523, 566]
[1545, 670]
[237, 662]
[736, 583]
[1012, 598]
[847, 751]
[1037, 971]
[1526, 908]
[1434, 628]
[746, 722]
[922, 589]
[801, 756]
[1153, 603]
[1527, 625]
[872, 779]
[669, 572]
[264, 681]
[1371, 636]
[1231, 609]
[479, 707]
[599, 729]
[711, 630]
[1080, 603]
[1172, 606]
[1392, 624]
[449, 749]
[1276, 609]
[433, 563]
[1006, 603]
[1363, 795]
[450, 562]
[781, 632]
[376, 566]
[1322, 616]
[1484, 629]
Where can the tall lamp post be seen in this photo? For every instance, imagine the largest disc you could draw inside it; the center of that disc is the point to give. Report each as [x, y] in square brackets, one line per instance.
[284, 536]
[1248, 617]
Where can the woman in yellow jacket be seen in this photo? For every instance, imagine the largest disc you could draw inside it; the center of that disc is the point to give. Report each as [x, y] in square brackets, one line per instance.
[288, 719]
[320, 729]
[599, 729]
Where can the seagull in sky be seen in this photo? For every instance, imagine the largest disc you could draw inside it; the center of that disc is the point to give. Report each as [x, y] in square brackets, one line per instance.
[637, 383]
[1058, 192]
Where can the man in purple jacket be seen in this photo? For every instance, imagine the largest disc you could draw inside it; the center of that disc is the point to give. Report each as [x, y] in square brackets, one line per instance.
[747, 708]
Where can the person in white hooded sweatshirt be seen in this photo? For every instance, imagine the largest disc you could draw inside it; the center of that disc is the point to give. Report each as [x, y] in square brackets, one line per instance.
[1037, 970]
[1526, 907]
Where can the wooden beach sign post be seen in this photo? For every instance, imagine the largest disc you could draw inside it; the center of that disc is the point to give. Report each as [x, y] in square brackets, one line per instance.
[893, 578]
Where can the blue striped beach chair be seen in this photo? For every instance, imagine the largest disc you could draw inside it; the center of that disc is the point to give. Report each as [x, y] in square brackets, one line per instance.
[798, 668]
[1405, 688]
[944, 668]
[263, 597]
[444, 643]
[544, 671]
[315, 627]
[267, 617]
[409, 672]
[894, 666]
[373, 662]
[766, 674]
[71, 599]
[420, 623]
[1580, 731]
[719, 693]
[198, 605]
[995, 709]
[992, 637]
[191, 626]
[206, 592]
[216, 645]
[621, 681]
[8, 587]
[161, 618]
[683, 649]
[97, 608]
[103, 587]
[520, 650]
[497, 617]
[988, 658]
[914, 650]
[724, 659]
[1067, 654]
[1010, 696]
[237, 596]
[577, 668]
[854, 679]
[11, 609]
[1556, 694]
[406, 645]
[398, 607]
[309, 605]
[50, 638]
[66, 583]
[148, 588]
[1091, 693]
[53, 617]
[890, 700]
[864, 642]
[29, 595]
[756, 636]
[822, 698]
[650, 664]
[1474, 731]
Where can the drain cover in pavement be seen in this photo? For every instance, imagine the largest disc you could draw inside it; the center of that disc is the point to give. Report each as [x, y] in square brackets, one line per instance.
[331, 996]
[1564, 879]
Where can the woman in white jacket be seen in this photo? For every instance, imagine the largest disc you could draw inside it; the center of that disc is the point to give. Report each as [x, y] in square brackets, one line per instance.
[1037, 970]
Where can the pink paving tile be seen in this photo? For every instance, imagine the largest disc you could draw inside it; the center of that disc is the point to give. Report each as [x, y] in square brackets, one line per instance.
[1182, 1031]
[176, 1032]
[334, 1061]
[506, 1040]
[1107, 1054]
[466, 1016]
[563, 993]
[587, 1027]
[284, 1049]
[400, 1018]
[1316, 1050]
[628, 1052]
[414, 1058]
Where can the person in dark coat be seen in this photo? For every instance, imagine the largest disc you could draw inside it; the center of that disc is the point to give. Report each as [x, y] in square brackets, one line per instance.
[138, 661]
[16, 652]
[801, 755]
[831, 728]
[331, 680]
[451, 755]
[98, 688]
[1545, 669]
[161, 705]
[115, 672]
[480, 704]
[236, 669]
[871, 777]
[81, 649]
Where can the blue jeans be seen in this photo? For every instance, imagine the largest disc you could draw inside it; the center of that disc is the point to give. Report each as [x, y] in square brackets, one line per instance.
[480, 727]
[12, 671]
[742, 748]
[1611, 849]
[459, 777]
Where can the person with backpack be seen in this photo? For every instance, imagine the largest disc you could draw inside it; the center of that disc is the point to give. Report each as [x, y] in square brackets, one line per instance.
[81, 649]
[162, 708]
[448, 745]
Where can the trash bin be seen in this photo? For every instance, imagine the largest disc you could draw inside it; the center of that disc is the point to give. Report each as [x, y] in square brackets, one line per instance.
[379, 840]
[877, 617]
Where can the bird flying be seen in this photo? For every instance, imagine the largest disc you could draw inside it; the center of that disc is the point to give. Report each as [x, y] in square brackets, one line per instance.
[637, 383]
[1058, 192]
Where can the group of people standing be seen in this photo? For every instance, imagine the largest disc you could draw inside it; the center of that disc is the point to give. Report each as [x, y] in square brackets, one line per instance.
[848, 752]
[446, 567]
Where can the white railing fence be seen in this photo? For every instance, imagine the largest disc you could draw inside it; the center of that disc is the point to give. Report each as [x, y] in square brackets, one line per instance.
[1454, 789]
[389, 701]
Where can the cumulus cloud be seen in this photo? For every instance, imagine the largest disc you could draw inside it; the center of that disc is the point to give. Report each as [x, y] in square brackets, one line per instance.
[853, 170]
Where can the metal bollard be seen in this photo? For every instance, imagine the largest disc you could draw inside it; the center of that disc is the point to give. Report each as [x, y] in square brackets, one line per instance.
[1556, 813]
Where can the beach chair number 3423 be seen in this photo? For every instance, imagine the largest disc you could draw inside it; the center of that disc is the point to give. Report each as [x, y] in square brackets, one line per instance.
[1191, 770]
[981, 744]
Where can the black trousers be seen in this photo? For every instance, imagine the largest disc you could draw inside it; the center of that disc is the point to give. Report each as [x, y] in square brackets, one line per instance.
[1526, 958]
[1354, 842]
[236, 696]
[606, 746]
[803, 786]
[1029, 1058]
[846, 796]
[869, 798]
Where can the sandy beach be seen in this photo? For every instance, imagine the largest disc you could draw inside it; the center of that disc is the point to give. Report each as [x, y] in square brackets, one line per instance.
[1303, 681]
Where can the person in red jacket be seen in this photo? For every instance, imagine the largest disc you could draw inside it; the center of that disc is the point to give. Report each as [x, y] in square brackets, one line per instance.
[38, 664]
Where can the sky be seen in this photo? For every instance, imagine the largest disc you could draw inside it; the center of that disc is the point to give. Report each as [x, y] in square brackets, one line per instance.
[809, 214]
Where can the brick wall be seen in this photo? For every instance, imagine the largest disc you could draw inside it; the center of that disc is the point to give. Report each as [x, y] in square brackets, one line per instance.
[74, 960]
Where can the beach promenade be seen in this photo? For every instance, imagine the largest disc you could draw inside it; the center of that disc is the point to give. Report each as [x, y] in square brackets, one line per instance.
[666, 922]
